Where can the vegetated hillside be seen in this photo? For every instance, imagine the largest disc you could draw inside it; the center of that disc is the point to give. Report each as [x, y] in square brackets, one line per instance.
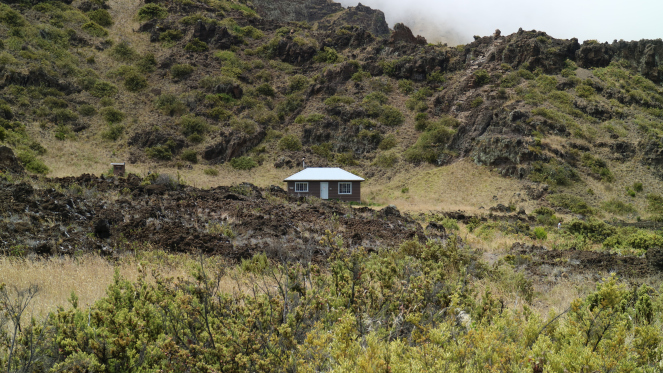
[212, 82]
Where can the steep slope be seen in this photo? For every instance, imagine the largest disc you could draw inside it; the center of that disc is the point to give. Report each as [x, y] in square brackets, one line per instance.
[213, 86]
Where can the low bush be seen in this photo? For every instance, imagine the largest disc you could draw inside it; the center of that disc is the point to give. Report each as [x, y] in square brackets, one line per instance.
[481, 77]
[171, 36]
[243, 163]
[87, 110]
[430, 144]
[388, 142]
[290, 142]
[553, 173]
[386, 160]
[196, 45]
[211, 172]
[292, 103]
[113, 132]
[335, 101]
[31, 163]
[101, 17]
[103, 89]
[190, 156]
[112, 115]
[169, 104]
[161, 152]
[593, 229]
[540, 233]
[152, 11]
[266, 90]
[297, 83]
[191, 124]
[327, 55]
[135, 82]
[618, 207]
[391, 116]
[94, 29]
[122, 51]
[570, 202]
[180, 71]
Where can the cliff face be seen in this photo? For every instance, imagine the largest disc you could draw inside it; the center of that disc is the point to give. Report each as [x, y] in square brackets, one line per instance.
[326, 13]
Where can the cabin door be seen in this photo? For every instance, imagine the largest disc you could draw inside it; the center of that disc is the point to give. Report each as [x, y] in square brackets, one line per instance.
[324, 190]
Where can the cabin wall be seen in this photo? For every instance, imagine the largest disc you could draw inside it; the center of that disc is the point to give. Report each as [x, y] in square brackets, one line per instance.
[314, 191]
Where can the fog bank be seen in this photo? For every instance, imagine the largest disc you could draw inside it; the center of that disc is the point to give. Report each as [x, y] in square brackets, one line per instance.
[455, 22]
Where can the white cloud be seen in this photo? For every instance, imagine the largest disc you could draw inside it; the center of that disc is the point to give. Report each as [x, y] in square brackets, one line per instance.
[455, 21]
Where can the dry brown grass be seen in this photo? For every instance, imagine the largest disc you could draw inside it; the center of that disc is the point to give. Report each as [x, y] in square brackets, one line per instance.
[90, 275]
[461, 185]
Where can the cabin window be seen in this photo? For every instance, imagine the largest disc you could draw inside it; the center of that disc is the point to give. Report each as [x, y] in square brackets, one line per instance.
[344, 188]
[301, 187]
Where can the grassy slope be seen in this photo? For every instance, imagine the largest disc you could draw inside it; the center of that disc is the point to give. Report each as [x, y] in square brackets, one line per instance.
[460, 185]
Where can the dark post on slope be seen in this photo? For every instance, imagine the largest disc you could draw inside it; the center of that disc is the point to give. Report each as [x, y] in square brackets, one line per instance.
[118, 169]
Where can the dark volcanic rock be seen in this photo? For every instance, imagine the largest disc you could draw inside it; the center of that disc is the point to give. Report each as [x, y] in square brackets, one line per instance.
[102, 229]
[233, 144]
[9, 162]
[403, 34]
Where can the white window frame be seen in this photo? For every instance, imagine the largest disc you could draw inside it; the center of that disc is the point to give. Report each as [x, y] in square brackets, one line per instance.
[340, 190]
[301, 187]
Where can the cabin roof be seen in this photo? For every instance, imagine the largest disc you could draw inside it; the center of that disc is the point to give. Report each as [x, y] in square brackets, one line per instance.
[324, 174]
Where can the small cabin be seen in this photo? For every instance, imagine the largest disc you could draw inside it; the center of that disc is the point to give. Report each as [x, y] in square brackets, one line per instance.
[325, 183]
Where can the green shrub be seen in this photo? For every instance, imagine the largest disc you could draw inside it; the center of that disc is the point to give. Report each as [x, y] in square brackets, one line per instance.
[64, 116]
[388, 142]
[266, 90]
[570, 202]
[180, 71]
[360, 76]
[291, 104]
[510, 80]
[190, 156]
[211, 172]
[101, 17]
[290, 142]
[585, 91]
[638, 187]
[170, 105]
[391, 116]
[655, 203]
[593, 229]
[113, 133]
[553, 173]
[335, 101]
[526, 74]
[87, 110]
[171, 36]
[31, 163]
[219, 113]
[545, 216]
[123, 52]
[617, 207]
[311, 118]
[191, 124]
[324, 150]
[243, 163]
[152, 11]
[147, 64]
[406, 86]
[540, 233]
[94, 29]
[62, 132]
[103, 89]
[346, 159]
[598, 167]
[196, 45]
[476, 102]
[161, 152]
[327, 55]
[430, 144]
[297, 83]
[643, 240]
[135, 82]
[481, 77]
[244, 125]
[386, 160]
[377, 97]
[112, 115]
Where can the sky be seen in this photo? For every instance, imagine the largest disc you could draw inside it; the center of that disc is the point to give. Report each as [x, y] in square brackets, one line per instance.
[456, 21]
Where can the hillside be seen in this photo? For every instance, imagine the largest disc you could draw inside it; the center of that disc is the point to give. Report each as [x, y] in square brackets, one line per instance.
[223, 92]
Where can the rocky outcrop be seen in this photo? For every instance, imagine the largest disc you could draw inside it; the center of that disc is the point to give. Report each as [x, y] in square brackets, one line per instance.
[9, 162]
[403, 34]
[328, 14]
[232, 144]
